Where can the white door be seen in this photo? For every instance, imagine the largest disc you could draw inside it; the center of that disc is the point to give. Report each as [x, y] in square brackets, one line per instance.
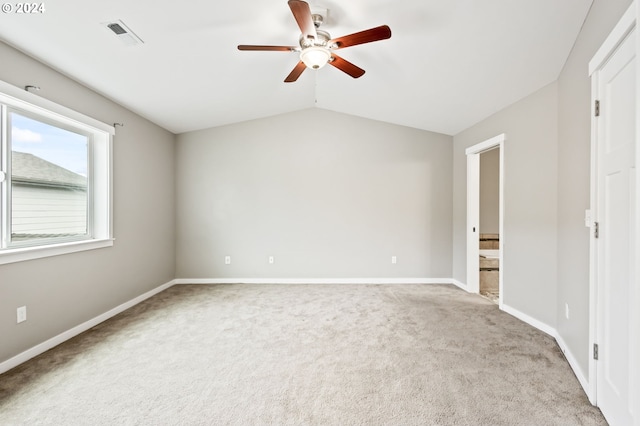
[615, 163]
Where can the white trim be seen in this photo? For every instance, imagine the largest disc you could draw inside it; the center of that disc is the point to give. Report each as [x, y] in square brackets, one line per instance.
[314, 281]
[593, 292]
[635, 288]
[621, 30]
[571, 359]
[501, 263]
[62, 337]
[575, 366]
[53, 109]
[530, 320]
[473, 222]
[486, 145]
[459, 284]
[37, 252]
[100, 211]
[473, 213]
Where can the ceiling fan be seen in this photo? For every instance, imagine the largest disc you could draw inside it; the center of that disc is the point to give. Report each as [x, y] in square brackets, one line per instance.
[317, 48]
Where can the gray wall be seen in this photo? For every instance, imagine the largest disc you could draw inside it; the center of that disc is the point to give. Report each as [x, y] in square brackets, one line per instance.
[574, 139]
[490, 192]
[64, 291]
[530, 201]
[329, 195]
[547, 178]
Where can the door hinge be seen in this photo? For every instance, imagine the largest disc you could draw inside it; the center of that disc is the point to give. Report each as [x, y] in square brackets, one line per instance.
[596, 230]
[597, 109]
[595, 351]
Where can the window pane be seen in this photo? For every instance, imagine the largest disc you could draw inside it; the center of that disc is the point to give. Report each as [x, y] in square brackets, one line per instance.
[48, 180]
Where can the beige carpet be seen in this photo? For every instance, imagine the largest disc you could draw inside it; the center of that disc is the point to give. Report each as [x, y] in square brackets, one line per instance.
[302, 355]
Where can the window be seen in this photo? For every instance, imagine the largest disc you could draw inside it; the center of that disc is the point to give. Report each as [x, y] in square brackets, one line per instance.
[55, 174]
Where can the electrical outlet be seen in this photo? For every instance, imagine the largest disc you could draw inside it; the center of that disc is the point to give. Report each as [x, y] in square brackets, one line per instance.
[394, 260]
[566, 310]
[227, 260]
[21, 314]
[271, 260]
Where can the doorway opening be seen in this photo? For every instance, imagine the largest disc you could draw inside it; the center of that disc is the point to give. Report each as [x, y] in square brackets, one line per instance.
[485, 229]
[489, 228]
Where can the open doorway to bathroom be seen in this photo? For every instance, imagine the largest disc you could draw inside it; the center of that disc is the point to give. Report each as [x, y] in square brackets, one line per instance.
[483, 212]
[489, 230]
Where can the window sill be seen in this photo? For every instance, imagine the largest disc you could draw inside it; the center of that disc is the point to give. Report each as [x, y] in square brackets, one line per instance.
[31, 253]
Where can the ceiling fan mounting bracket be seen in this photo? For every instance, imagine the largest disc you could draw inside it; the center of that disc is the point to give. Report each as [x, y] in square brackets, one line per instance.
[318, 19]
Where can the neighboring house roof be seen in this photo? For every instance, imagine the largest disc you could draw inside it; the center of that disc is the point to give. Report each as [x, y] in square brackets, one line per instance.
[32, 170]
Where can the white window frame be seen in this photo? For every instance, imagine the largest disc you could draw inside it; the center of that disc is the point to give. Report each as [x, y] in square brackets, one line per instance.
[100, 205]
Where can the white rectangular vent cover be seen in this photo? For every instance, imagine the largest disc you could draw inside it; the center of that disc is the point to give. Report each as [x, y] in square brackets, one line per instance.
[124, 33]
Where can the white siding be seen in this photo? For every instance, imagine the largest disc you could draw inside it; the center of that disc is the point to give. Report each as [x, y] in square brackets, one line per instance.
[38, 210]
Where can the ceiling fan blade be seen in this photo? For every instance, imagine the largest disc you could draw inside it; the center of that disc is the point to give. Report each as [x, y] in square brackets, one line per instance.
[302, 13]
[269, 48]
[293, 76]
[346, 66]
[382, 32]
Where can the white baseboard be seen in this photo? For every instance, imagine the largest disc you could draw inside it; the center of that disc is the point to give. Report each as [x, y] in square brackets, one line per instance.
[574, 364]
[313, 281]
[459, 284]
[62, 337]
[571, 359]
[530, 320]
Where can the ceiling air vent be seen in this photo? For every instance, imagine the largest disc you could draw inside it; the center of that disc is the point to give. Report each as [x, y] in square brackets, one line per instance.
[123, 32]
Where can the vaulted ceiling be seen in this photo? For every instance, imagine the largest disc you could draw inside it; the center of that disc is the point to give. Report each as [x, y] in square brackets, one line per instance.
[447, 65]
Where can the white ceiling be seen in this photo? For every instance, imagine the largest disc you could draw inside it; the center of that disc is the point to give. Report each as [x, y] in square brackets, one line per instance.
[448, 64]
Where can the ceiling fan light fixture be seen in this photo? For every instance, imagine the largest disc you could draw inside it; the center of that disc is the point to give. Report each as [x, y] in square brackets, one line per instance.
[317, 46]
[315, 57]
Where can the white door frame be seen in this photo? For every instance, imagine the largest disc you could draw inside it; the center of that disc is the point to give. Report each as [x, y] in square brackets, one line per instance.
[473, 213]
[615, 38]
[635, 292]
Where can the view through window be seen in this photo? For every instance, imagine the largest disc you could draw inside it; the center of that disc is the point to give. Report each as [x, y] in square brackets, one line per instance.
[55, 178]
[49, 170]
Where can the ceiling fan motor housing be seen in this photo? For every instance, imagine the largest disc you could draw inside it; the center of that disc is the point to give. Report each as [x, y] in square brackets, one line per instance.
[322, 40]
[315, 52]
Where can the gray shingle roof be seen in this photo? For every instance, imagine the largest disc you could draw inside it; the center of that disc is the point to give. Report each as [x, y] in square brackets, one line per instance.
[30, 169]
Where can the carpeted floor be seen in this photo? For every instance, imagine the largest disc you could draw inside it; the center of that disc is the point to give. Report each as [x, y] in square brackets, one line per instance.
[302, 355]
